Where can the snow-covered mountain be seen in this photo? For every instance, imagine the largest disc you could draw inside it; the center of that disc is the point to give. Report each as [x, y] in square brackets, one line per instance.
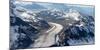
[24, 27]
[81, 31]
[50, 14]
[28, 19]
[71, 14]
[79, 28]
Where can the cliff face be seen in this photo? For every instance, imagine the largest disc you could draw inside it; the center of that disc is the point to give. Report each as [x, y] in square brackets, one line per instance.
[81, 32]
[21, 33]
[79, 29]
[23, 30]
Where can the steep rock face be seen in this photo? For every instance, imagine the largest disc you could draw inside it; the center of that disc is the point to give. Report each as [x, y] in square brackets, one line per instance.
[79, 29]
[20, 31]
[24, 27]
[81, 32]
[21, 34]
